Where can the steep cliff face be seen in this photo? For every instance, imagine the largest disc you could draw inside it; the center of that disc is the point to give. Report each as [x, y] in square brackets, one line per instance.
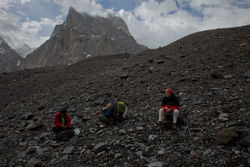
[82, 36]
[9, 59]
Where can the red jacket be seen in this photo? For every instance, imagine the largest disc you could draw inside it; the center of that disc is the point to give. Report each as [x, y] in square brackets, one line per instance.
[58, 121]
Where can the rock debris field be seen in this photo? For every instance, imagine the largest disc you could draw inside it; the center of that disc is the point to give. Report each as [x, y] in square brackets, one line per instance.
[209, 71]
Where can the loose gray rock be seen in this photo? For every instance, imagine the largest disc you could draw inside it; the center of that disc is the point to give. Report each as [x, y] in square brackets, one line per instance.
[117, 155]
[160, 61]
[68, 150]
[246, 141]
[229, 76]
[122, 131]
[227, 135]
[156, 164]
[34, 162]
[247, 74]
[35, 124]
[100, 147]
[224, 117]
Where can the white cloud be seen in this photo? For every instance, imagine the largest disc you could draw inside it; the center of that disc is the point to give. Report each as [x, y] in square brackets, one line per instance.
[153, 9]
[25, 1]
[33, 27]
[89, 6]
[5, 4]
[152, 24]
[16, 32]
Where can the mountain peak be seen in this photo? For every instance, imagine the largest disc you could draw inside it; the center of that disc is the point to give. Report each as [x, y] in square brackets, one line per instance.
[82, 35]
[72, 11]
[9, 58]
[119, 23]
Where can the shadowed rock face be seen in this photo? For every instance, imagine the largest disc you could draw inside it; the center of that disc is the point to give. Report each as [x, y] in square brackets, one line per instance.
[83, 36]
[9, 59]
[208, 71]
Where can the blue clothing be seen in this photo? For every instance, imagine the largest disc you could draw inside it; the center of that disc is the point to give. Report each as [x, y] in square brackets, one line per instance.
[108, 111]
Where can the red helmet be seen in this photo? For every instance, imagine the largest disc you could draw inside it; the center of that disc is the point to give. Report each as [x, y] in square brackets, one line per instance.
[169, 90]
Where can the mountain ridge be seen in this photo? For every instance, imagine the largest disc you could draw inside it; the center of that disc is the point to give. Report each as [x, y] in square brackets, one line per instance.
[9, 58]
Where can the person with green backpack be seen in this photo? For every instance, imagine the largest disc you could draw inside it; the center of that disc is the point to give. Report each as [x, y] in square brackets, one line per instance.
[112, 113]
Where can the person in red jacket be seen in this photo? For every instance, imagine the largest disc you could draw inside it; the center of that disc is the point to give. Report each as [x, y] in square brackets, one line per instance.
[62, 121]
[169, 106]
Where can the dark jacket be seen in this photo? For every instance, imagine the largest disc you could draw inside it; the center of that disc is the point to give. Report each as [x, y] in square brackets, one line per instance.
[58, 120]
[108, 111]
[171, 102]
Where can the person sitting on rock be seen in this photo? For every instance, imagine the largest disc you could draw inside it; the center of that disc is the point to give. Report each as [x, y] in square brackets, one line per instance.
[169, 106]
[62, 121]
[112, 113]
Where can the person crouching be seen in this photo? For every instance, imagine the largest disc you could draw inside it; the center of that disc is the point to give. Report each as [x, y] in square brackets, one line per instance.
[62, 125]
[107, 114]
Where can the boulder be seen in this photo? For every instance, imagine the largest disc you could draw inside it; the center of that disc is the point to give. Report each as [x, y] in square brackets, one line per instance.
[246, 141]
[223, 117]
[100, 147]
[227, 135]
[68, 150]
[247, 74]
[35, 124]
[34, 163]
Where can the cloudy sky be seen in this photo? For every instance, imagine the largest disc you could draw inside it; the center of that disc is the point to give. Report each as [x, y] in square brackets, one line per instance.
[153, 23]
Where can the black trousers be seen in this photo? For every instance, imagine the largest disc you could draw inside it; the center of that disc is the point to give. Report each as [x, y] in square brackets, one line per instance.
[63, 134]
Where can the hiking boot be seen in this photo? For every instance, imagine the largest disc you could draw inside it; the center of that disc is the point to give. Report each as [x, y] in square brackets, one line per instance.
[160, 124]
[174, 126]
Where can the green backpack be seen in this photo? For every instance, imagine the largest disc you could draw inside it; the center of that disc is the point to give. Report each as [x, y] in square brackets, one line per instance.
[120, 107]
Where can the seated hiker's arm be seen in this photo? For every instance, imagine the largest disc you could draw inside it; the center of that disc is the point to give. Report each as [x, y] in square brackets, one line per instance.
[57, 122]
[165, 108]
[109, 112]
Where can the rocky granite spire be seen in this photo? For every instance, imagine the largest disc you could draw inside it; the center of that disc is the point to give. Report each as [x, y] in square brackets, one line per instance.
[82, 36]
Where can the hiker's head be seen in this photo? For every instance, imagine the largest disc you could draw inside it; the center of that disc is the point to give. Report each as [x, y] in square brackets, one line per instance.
[168, 92]
[104, 102]
[63, 110]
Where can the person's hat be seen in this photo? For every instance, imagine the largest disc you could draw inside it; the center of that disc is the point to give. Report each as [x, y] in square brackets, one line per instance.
[104, 101]
[169, 90]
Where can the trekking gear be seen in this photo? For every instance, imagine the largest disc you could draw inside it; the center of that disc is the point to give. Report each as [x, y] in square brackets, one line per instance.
[120, 107]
